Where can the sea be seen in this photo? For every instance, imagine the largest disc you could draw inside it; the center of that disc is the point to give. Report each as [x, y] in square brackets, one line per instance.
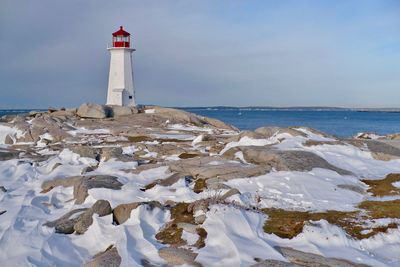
[338, 122]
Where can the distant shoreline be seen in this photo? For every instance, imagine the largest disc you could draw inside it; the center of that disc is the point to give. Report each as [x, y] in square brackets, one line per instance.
[248, 108]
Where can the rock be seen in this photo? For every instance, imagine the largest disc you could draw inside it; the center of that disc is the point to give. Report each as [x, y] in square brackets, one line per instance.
[79, 220]
[8, 140]
[85, 151]
[3, 189]
[135, 110]
[88, 169]
[123, 212]
[94, 111]
[2, 212]
[283, 160]
[200, 219]
[65, 224]
[249, 134]
[8, 154]
[102, 207]
[65, 227]
[64, 182]
[117, 111]
[108, 258]
[64, 113]
[188, 227]
[310, 259]
[231, 192]
[276, 263]
[108, 153]
[379, 149]
[268, 132]
[224, 170]
[178, 256]
[219, 124]
[83, 222]
[82, 186]
[181, 116]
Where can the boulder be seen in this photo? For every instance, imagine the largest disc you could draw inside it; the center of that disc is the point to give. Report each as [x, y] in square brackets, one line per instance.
[102, 207]
[85, 151]
[379, 149]
[283, 160]
[276, 263]
[64, 182]
[224, 170]
[83, 222]
[268, 132]
[79, 220]
[117, 111]
[8, 140]
[9, 154]
[123, 212]
[108, 258]
[178, 256]
[94, 111]
[311, 259]
[181, 116]
[108, 153]
[82, 186]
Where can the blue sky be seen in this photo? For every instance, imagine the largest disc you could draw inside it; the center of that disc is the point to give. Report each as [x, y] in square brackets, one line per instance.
[203, 53]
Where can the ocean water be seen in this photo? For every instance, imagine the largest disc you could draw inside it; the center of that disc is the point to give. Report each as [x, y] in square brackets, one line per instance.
[342, 123]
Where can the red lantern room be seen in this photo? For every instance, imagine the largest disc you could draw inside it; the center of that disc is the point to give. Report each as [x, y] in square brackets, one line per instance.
[121, 38]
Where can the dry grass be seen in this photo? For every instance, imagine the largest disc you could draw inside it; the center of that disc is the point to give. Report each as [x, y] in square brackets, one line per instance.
[188, 155]
[200, 243]
[288, 224]
[384, 187]
[199, 185]
[139, 138]
[171, 234]
[382, 209]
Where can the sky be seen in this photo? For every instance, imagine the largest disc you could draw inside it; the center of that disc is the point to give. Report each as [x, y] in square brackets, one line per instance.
[343, 53]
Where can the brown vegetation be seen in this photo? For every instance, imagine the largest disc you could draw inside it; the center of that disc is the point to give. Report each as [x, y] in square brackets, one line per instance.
[385, 186]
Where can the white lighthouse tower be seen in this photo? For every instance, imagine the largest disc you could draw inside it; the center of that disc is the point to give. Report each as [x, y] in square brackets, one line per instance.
[120, 82]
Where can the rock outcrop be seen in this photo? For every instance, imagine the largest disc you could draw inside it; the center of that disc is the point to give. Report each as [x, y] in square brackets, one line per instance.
[82, 184]
[108, 258]
[79, 220]
[93, 111]
[283, 160]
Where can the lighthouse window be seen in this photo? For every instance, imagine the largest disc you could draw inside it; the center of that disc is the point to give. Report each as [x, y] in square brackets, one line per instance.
[130, 97]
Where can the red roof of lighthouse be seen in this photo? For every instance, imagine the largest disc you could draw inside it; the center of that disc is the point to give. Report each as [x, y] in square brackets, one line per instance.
[121, 32]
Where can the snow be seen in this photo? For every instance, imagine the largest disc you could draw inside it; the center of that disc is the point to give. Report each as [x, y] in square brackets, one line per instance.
[372, 136]
[173, 136]
[237, 238]
[11, 131]
[181, 127]
[396, 184]
[197, 140]
[247, 141]
[353, 159]
[83, 130]
[316, 190]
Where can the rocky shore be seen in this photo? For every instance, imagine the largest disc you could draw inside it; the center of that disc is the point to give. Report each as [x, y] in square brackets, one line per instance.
[153, 186]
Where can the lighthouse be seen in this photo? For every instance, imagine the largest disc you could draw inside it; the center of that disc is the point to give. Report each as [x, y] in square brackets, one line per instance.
[120, 81]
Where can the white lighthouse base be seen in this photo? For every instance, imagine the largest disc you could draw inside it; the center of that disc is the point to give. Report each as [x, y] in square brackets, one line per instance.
[120, 83]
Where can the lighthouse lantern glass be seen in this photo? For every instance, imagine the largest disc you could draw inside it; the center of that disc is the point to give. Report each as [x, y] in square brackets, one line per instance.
[121, 38]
